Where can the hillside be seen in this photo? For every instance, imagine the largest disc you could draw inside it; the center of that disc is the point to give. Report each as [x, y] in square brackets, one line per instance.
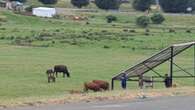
[91, 48]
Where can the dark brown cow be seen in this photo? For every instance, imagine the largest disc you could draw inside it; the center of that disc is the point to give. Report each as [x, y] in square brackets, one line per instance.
[50, 75]
[103, 84]
[91, 86]
[61, 69]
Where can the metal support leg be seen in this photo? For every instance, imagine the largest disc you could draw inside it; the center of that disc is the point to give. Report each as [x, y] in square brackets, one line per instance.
[171, 67]
[112, 84]
[194, 65]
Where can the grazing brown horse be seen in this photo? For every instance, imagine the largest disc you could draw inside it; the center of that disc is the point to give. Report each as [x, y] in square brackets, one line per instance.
[50, 75]
[91, 86]
[61, 69]
[103, 84]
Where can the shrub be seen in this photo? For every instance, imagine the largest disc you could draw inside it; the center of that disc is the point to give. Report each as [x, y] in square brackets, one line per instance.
[29, 8]
[177, 6]
[48, 1]
[132, 30]
[106, 47]
[2, 38]
[142, 5]
[125, 30]
[2, 28]
[87, 23]
[171, 30]
[143, 21]
[80, 3]
[56, 16]
[147, 30]
[111, 18]
[53, 42]
[188, 31]
[19, 0]
[157, 18]
[107, 4]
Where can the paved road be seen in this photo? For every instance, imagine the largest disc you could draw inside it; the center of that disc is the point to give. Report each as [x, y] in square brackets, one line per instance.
[163, 103]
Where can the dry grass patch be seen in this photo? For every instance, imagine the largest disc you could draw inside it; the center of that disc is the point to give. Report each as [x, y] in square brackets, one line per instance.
[99, 96]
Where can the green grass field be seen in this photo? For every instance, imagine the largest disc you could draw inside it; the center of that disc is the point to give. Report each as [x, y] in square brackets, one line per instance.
[98, 50]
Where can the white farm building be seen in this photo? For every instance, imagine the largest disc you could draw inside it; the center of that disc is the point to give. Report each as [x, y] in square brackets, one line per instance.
[44, 12]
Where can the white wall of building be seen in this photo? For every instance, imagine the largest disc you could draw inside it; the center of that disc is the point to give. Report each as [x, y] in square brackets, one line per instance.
[44, 12]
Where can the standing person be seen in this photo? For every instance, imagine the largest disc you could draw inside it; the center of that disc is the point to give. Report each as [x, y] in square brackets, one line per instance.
[167, 81]
[124, 81]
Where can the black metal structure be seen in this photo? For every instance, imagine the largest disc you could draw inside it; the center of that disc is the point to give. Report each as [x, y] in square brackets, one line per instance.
[157, 59]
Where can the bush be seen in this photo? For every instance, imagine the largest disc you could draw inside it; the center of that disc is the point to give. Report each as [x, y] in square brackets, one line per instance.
[2, 38]
[29, 8]
[147, 30]
[22, 1]
[142, 5]
[177, 6]
[172, 30]
[80, 3]
[143, 21]
[48, 1]
[56, 16]
[157, 18]
[188, 31]
[107, 4]
[106, 47]
[132, 30]
[111, 18]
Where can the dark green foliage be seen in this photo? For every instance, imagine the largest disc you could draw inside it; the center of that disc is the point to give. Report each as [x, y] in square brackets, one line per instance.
[188, 31]
[106, 47]
[157, 18]
[143, 21]
[57, 16]
[111, 18]
[177, 6]
[22, 1]
[48, 1]
[29, 8]
[142, 5]
[107, 4]
[80, 3]
[172, 30]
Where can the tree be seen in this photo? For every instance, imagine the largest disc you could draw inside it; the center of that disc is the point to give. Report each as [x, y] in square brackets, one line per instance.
[177, 6]
[80, 3]
[157, 18]
[48, 1]
[22, 1]
[143, 21]
[142, 5]
[107, 4]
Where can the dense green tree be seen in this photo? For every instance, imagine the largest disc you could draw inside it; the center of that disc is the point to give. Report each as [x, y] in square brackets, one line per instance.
[177, 6]
[157, 18]
[142, 5]
[107, 4]
[48, 1]
[19, 0]
[80, 3]
[143, 21]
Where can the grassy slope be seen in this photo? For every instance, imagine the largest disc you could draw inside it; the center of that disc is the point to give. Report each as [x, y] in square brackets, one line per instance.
[22, 68]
